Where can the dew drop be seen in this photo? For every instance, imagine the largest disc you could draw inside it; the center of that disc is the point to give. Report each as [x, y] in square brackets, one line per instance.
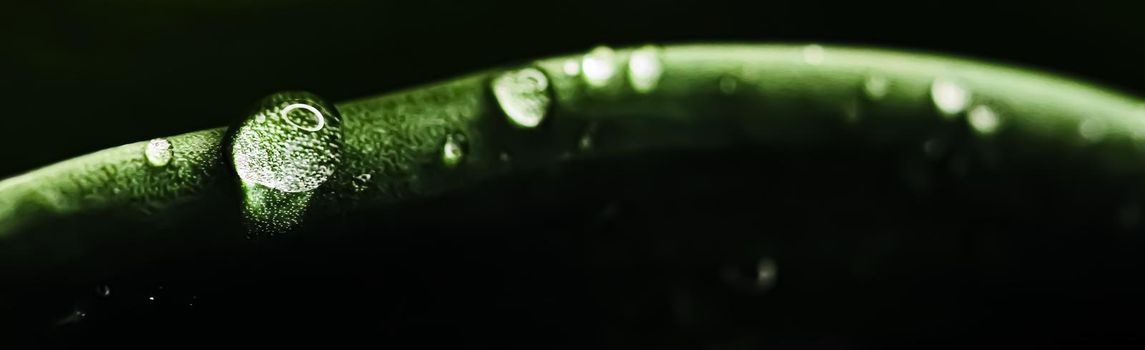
[295, 149]
[158, 152]
[949, 97]
[644, 69]
[876, 87]
[103, 290]
[523, 96]
[728, 84]
[813, 54]
[1092, 130]
[286, 149]
[598, 66]
[983, 120]
[571, 68]
[453, 152]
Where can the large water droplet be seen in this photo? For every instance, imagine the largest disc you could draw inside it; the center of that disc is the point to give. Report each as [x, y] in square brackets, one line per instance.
[813, 54]
[453, 151]
[295, 148]
[644, 69]
[598, 66]
[158, 152]
[949, 97]
[984, 120]
[285, 150]
[523, 96]
[876, 87]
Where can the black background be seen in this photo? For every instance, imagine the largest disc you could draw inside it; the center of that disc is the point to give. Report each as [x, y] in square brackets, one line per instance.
[630, 254]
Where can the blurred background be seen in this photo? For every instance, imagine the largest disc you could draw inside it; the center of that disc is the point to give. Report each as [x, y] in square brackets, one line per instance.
[79, 76]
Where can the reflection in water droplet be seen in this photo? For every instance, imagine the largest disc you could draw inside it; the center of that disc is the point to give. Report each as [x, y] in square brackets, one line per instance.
[983, 120]
[948, 97]
[598, 66]
[289, 147]
[876, 87]
[571, 68]
[728, 84]
[813, 54]
[644, 69]
[523, 96]
[103, 290]
[453, 152]
[1092, 130]
[158, 152]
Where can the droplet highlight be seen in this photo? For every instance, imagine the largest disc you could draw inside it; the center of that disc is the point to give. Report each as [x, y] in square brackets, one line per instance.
[598, 66]
[523, 96]
[948, 97]
[644, 69]
[158, 152]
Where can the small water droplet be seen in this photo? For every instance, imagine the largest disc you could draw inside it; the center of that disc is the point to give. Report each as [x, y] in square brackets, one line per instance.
[759, 277]
[644, 69]
[158, 152]
[453, 152]
[571, 68]
[598, 66]
[505, 157]
[1093, 130]
[523, 96]
[103, 290]
[949, 97]
[151, 298]
[876, 87]
[813, 54]
[983, 120]
[728, 84]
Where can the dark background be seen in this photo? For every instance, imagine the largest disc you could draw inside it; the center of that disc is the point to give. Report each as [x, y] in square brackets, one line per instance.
[623, 254]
